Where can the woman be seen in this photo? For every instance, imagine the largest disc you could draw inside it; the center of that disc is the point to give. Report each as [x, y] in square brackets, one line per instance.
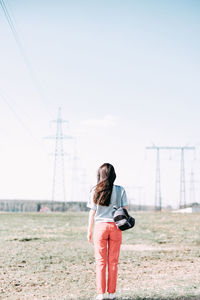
[107, 237]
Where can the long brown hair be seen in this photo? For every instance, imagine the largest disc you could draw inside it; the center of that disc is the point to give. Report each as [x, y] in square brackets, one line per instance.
[105, 179]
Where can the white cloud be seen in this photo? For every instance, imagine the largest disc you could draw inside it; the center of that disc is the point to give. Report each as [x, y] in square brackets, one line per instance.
[107, 121]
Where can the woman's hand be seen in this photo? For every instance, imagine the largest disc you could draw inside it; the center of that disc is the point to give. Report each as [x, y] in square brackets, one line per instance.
[89, 237]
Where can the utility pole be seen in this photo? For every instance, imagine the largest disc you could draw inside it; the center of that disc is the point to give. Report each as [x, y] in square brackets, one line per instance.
[58, 184]
[158, 199]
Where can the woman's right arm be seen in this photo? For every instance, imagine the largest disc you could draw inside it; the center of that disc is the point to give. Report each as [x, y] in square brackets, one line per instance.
[124, 200]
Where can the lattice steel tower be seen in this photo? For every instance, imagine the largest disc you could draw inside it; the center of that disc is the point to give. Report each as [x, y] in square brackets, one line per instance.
[192, 187]
[158, 198]
[58, 185]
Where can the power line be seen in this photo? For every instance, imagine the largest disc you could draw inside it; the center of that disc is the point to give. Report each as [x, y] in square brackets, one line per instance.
[5, 100]
[17, 106]
[23, 54]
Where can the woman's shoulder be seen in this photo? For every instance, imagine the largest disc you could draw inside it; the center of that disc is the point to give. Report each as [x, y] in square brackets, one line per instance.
[119, 188]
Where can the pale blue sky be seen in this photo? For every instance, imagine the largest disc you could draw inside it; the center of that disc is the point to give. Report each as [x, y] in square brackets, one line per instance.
[126, 74]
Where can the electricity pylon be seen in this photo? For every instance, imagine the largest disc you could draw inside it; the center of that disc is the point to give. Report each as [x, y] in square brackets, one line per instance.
[158, 199]
[192, 187]
[58, 185]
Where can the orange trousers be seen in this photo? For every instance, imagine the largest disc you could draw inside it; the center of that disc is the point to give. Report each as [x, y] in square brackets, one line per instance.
[107, 241]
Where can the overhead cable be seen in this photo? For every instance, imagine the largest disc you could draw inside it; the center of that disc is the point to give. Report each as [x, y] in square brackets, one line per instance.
[23, 54]
[27, 129]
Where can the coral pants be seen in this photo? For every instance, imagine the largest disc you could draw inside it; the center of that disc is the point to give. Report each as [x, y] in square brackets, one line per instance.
[107, 241]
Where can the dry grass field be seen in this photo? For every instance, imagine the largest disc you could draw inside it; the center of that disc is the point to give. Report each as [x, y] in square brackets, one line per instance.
[47, 256]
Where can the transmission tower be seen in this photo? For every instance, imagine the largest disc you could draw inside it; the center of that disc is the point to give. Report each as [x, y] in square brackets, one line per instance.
[75, 175]
[58, 185]
[158, 199]
[192, 187]
[140, 196]
[182, 200]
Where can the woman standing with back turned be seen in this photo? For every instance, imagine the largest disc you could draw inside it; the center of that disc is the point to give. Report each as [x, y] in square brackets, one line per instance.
[107, 237]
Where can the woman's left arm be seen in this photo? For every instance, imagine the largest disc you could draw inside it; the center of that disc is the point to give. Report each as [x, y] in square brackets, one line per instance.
[90, 225]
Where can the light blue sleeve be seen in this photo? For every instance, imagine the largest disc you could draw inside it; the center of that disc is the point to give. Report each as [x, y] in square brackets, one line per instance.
[90, 203]
[124, 201]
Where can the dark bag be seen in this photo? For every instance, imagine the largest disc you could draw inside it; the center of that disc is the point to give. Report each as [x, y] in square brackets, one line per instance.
[122, 218]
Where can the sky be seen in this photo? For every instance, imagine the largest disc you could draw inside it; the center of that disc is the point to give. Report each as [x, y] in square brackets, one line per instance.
[126, 76]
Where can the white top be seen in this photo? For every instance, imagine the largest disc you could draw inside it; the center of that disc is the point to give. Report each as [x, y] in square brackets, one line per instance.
[105, 213]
